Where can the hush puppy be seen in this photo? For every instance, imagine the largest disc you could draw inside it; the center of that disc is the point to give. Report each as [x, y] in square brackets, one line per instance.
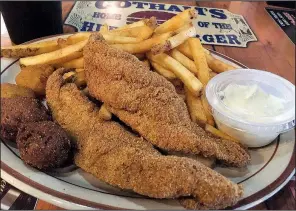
[15, 111]
[35, 77]
[12, 90]
[43, 145]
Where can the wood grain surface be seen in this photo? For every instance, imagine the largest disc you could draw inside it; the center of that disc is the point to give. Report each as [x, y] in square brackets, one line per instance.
[273, 52]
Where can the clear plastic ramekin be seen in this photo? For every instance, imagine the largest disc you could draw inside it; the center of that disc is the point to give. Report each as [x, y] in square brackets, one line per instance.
[252, 131]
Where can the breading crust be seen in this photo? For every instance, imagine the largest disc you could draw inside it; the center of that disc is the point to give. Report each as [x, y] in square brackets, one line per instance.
[118, 157]
[149, 104]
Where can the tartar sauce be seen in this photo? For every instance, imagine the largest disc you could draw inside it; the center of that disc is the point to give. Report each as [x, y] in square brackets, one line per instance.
[251, 100]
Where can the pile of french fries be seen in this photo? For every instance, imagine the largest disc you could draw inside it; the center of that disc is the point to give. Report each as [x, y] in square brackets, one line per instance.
[171, 49]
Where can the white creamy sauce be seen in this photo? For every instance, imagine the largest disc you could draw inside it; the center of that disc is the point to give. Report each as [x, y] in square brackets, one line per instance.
[251, 100]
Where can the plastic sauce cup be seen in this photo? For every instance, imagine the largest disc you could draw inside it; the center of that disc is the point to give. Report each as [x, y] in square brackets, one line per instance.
[252, 131]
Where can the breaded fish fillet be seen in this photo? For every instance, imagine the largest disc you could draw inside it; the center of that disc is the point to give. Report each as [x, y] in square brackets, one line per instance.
[118, 157]
[149, 104]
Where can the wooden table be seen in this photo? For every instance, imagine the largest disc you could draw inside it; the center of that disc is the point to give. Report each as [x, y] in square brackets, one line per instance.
[273, 51]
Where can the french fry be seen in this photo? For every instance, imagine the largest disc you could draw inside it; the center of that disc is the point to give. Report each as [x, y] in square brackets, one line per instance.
[177, 21]
[145, 45]
[143, 32]
[151, 22]
[79, 70]
[147, 63]
[79, 79]
[33, 49]
[135, 24]
[111, 39]
[195, 108]
[75, 77]
[218, 66]
[75, 63]
[62, 43]
[188, 78]
[59, 56]
[85, 91]
[114, 39]
[213, 74]
[163, 71]
[174, 41]
[200, 60]
[206, 51]
[185, 49]
[184, 60]
[207, 110]
[218, 133]
[158, 60]
[78, 37]
[214, 64]
[183, 28]
[104, 114]
[104, 28]
[68, 76]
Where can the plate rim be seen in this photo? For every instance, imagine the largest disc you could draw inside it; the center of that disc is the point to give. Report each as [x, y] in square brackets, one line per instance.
[245, 203]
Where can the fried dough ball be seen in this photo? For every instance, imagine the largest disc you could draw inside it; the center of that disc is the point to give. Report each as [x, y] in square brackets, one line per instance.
[15, 111]
[43, 145]
[35, 77]
[12, 90]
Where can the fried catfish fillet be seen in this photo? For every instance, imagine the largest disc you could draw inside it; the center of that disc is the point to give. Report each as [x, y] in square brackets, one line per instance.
[114, 155]
[149, 104]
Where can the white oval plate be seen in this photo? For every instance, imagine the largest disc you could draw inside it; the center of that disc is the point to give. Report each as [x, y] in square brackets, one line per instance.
[270, 169]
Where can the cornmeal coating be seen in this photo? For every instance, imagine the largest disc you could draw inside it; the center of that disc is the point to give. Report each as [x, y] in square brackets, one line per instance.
[149, 104]
[114, 155]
